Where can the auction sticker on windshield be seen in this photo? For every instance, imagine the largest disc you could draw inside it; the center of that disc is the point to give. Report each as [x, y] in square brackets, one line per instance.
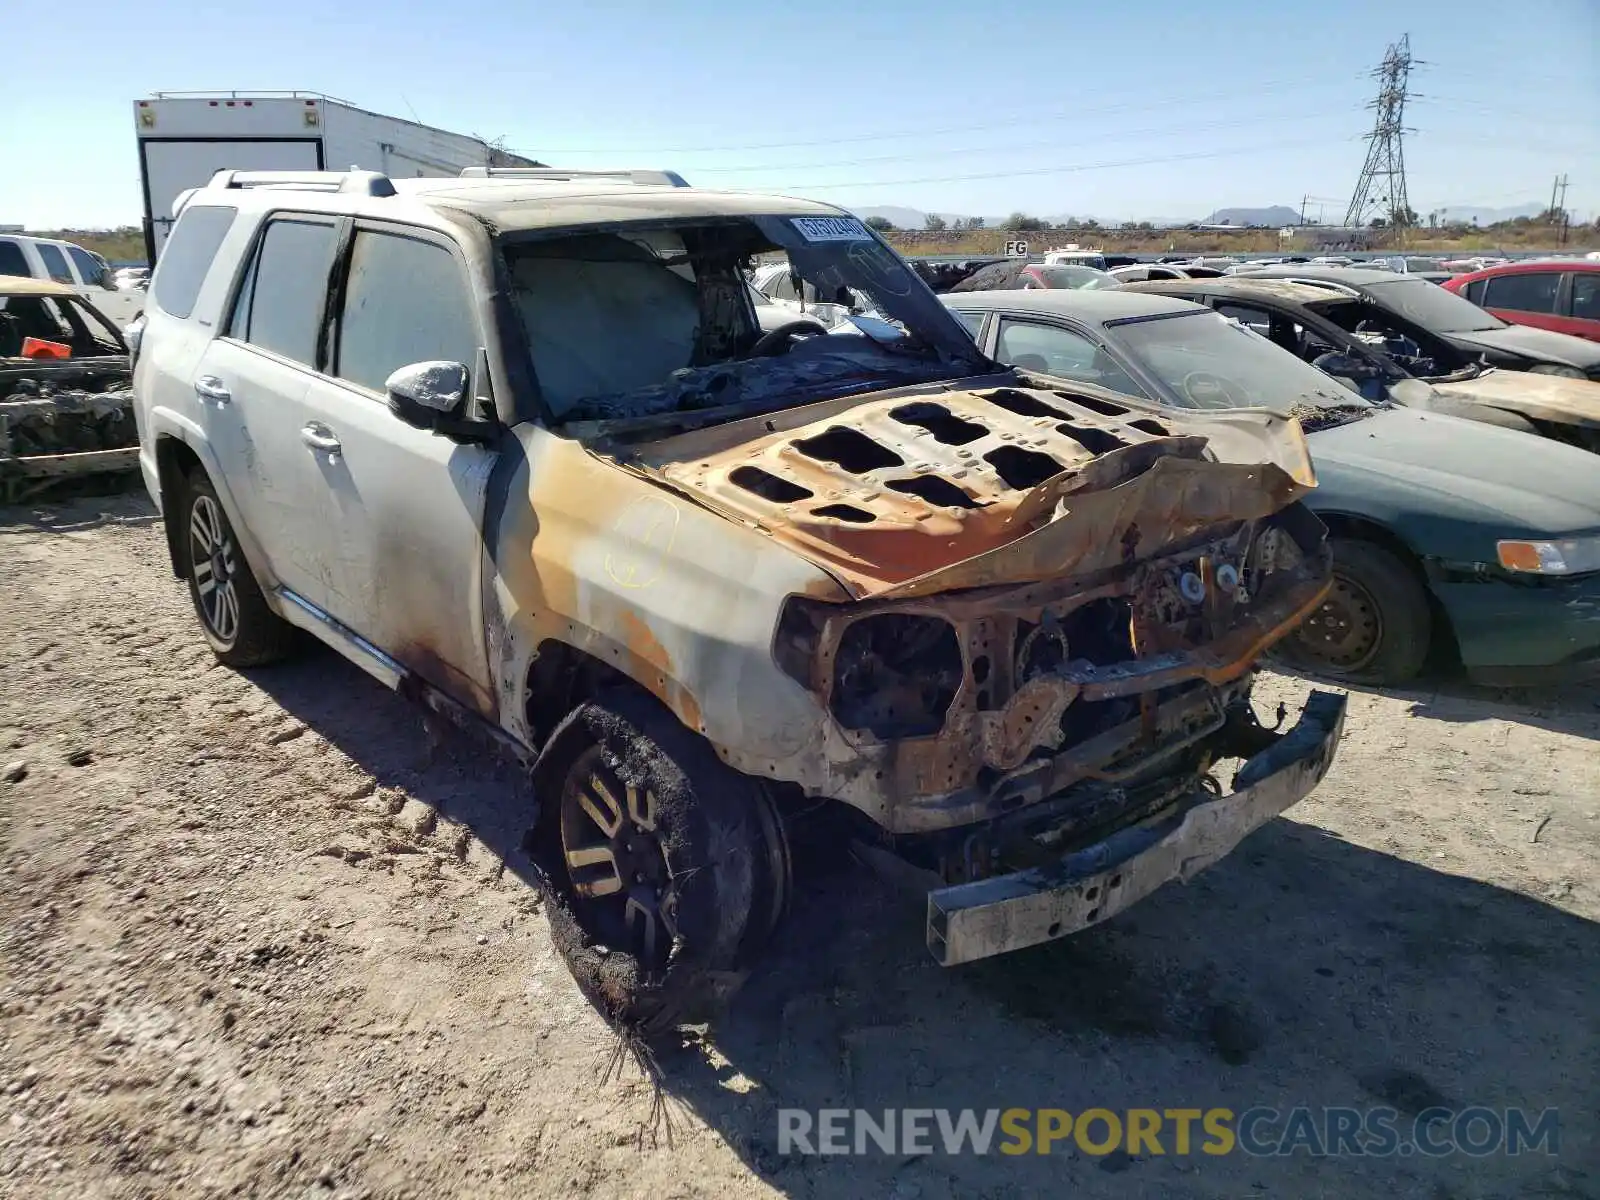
[831, 229]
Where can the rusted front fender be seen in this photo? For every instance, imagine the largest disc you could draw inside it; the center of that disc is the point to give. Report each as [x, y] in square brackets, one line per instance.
[678, 599]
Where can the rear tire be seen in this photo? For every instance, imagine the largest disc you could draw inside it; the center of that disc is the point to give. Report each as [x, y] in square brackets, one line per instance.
[1375, 627]
[238, 626]
[662, 873]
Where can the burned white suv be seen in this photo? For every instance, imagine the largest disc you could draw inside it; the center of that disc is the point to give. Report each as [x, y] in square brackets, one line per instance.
[518, 446]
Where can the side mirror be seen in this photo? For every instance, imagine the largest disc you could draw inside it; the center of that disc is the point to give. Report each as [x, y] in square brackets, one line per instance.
[433, 396]
[423, 392]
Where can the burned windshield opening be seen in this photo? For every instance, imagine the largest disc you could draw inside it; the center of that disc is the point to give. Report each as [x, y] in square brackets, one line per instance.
[636, 320]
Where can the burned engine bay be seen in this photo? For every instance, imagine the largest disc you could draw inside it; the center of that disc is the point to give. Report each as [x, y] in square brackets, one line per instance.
[1048, 589]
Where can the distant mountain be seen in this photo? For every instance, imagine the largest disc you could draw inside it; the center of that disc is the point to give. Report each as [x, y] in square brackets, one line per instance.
[1275, 216]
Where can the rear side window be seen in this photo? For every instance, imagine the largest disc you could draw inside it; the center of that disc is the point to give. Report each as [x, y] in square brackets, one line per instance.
[12, 260]
[1534, 292]
[1586, 295]
[55, 263]
[972, 320]
[187, 256]
[89, 270]
[280, 306]
[406, 301]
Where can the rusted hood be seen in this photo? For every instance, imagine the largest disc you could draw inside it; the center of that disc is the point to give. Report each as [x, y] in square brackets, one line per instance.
[953, 489]
[1543, 397]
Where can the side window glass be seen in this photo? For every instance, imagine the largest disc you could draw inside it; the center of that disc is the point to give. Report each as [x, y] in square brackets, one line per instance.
[280, 306]
[1586, 295]
[55, 263]
[1256, 319]
[89, 270]
[187, 256]
[406, 301]
[12, 260]
[1060, 352]
[1474, 291]
[1534, 292]
[972, 320]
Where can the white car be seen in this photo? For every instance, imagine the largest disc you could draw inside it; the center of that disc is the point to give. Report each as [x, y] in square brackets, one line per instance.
[85, 272]
[520, 450]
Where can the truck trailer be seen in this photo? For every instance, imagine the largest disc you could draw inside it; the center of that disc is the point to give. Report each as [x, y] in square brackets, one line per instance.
[187, 137]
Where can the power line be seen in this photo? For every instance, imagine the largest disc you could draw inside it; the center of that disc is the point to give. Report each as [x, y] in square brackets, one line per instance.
[1072, 113]
[1166, 130]
[1298, 143]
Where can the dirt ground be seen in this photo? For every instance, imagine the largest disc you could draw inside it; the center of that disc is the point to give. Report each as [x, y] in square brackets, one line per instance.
[261, 937]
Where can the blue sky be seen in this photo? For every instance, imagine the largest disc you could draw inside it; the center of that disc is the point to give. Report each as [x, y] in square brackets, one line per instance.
[1112, 110]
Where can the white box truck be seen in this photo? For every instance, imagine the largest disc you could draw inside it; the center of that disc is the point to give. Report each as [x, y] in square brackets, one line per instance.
[187, 137]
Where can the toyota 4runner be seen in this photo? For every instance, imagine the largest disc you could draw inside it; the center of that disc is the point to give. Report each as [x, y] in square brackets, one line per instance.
[518, 446]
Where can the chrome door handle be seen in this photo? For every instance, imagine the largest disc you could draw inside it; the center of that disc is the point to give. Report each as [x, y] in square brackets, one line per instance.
[209, 387]
[319, 437]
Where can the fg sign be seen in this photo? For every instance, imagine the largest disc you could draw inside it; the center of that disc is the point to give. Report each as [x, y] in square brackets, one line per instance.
[1017, 249]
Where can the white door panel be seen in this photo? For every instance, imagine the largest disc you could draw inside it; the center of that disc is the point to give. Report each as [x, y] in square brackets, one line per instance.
[405, 509]
[269, 471]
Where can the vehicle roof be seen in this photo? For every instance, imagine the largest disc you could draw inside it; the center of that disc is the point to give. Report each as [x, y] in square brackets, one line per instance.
[1355, 277]
[21, 285]
[1098, 305]
[28, 237]
[1528, 264]
[1241, 286]
[520, 204]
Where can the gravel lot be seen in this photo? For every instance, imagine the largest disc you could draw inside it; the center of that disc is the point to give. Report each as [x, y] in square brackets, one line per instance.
[262, 936]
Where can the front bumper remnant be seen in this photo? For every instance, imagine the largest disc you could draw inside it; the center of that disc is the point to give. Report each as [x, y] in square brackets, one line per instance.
[969, 921]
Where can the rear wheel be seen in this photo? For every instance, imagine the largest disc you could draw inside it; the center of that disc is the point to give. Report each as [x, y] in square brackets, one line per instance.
[241, 630]
[1375, 625]
[664, 870]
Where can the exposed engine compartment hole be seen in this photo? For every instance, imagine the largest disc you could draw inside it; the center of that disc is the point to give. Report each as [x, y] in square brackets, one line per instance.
[769, 486]
[1146, 425]
[935, 489]
[980, 669]
[850, 448]
[938, 420]
[1095, 441]
[1022, 404]
[844, 512]
[896, 675]
[1094, 404]
[1022, 469]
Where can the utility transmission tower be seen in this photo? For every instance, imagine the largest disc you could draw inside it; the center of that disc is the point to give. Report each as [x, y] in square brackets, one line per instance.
[1382, 186]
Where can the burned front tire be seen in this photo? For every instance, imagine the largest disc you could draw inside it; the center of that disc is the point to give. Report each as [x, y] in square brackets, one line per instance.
[239, 627]
[663, 869]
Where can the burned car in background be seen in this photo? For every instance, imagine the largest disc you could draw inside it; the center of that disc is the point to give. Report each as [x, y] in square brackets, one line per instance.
[713, 581]
[65, 408]
[1383, 354]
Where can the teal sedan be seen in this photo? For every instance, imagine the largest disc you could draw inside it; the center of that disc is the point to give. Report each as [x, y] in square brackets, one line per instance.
[1447, 533]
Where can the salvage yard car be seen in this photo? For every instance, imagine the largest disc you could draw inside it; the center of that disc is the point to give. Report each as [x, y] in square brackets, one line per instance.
[519, 448]
[1345, 336]
[1453, 332]
[65, 408]
[1446, 533]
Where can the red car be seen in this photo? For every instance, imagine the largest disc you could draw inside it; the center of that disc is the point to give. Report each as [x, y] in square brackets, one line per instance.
[1562, 295]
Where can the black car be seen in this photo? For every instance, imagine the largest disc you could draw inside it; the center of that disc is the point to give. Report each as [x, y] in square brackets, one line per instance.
[1344, 334]
[1461, 332]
